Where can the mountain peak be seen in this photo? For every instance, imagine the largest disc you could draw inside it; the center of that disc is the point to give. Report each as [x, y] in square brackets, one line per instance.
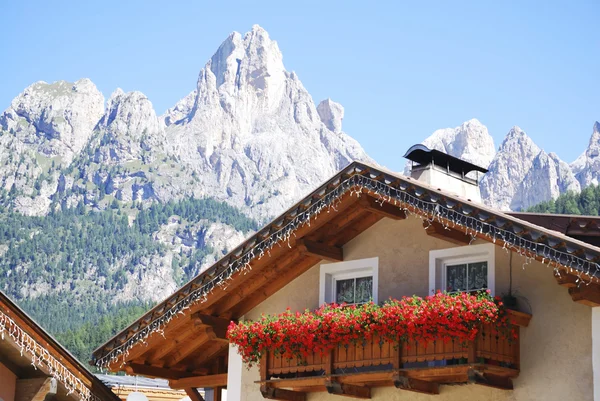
[253, 59]
[58, 118]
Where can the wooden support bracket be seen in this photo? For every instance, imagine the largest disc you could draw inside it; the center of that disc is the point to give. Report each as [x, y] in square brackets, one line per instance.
[419, 386]
[193, 394]
[586, 294]
[490, 380]
[348, 390]
[271, 393]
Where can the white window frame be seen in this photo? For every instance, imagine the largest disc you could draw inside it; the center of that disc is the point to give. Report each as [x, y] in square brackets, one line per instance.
[331, 272]
[462, 255]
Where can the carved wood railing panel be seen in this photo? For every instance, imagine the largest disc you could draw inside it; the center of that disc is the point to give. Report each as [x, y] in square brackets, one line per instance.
[490, 347]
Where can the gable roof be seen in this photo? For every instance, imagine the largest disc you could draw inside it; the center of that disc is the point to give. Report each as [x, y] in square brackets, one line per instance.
[381, 192]
[36, 349]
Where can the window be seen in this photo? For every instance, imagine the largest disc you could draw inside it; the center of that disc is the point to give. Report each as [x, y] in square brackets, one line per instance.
[466, 277]
[352, 282]
[462, 269]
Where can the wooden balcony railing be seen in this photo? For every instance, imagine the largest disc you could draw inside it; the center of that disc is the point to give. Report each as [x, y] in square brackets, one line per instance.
[490, 359]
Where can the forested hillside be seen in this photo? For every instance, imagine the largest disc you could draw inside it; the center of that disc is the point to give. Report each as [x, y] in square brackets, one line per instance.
[585, 203]
[69, 269]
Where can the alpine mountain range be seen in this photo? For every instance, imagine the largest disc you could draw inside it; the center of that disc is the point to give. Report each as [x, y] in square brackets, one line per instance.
[249, 134]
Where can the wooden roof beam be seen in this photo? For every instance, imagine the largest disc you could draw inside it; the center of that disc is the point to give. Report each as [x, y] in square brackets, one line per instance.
[272, 286]
[348, 390]
[207, 354]
[437, 230]
[36, 389]
[156, 371]
[211, 381]
[190, 347]
[219, 325]
[320, 250]
[259, 279]
[383, 208]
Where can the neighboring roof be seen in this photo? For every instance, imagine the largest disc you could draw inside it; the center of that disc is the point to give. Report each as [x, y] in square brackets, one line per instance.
[584, 228]
[133, 381]
[45, 353]
[423, 155]
[153, 389]
[386, 188]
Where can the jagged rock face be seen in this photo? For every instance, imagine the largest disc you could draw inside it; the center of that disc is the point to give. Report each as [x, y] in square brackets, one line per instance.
[587, 166]
[254, 135]
[128, 128]
[522, 175]
[547, 178]
[470, 141]
[181, 110]
[57, 119]
[331, 114]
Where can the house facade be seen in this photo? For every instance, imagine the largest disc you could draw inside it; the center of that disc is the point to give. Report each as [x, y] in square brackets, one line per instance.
[368, 234]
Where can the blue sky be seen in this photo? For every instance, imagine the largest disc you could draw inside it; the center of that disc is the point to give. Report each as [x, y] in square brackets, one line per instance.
[400, 70]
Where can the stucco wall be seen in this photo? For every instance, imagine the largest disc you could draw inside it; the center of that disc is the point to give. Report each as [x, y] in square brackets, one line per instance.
[556, 361]
[7, 384]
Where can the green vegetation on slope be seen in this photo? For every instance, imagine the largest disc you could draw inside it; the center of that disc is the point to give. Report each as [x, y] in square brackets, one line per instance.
[65, 268]
[585, 203]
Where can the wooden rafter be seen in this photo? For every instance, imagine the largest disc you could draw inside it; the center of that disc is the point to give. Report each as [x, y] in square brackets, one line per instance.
[157, 371]
[205, 354]
[273, 286]
[256, 283]
[218, 380]
[217, 324]
[382, 208]
[437, 230]
[201, 337]
[320, 250]
[35, 389]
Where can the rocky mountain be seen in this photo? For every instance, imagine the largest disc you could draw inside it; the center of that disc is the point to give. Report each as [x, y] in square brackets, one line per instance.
[249, 135]
[520, 173]
[252, 134]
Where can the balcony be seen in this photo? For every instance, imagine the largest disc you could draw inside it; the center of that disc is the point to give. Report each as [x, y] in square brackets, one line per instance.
[491, 360]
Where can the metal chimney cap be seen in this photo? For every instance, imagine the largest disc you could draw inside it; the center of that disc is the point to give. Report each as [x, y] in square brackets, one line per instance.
[422, 155]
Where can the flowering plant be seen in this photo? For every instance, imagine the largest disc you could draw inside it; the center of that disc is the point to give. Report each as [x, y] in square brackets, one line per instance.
[437, 317]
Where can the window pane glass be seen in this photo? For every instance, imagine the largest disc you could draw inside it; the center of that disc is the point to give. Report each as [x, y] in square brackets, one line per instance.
[344, 291]
[364, 289]
[456, 278]
[478, 276]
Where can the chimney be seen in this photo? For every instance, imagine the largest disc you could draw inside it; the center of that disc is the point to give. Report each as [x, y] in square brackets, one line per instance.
[449, 173]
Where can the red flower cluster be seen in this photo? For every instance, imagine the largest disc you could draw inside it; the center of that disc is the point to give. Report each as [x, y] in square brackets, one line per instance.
[438, 317]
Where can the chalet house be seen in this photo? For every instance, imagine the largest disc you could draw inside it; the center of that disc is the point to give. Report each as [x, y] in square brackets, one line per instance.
[371, 234]
[34, 367]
